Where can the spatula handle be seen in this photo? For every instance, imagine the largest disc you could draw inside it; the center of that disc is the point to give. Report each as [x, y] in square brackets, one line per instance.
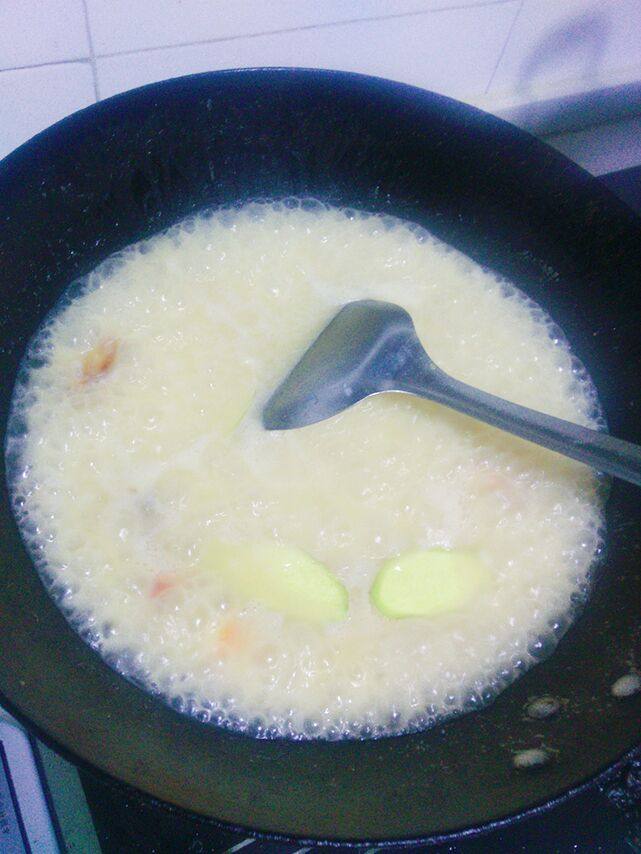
[598, 450]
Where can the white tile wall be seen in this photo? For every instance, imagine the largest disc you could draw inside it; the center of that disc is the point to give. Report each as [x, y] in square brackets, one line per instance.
[33, 32]
[494, 53]
[119, 25]
[31, 99]
[453, 51]
[559, 47]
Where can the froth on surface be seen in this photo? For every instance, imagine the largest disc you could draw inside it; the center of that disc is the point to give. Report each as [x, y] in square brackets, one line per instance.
[119, 483]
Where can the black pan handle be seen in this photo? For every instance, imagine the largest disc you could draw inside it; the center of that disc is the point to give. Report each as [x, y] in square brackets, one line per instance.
[598, 450]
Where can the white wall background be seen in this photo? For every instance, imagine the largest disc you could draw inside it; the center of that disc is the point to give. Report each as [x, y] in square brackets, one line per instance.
[503, 55]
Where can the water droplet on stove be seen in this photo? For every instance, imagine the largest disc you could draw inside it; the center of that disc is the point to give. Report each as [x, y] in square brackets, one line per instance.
[541, 708]
[530, 759]
[626, 686]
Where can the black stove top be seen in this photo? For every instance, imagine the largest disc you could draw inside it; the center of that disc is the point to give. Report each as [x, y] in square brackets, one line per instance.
[604, 818]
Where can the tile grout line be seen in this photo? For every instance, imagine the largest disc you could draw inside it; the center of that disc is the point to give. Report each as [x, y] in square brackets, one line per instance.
[452, 8]
[92, 54]
[504, 48]
[55, 62]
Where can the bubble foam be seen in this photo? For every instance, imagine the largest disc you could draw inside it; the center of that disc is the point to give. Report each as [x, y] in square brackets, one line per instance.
[217, 308]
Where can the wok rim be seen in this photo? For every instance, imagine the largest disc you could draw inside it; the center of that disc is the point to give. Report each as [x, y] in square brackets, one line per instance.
[12, 161]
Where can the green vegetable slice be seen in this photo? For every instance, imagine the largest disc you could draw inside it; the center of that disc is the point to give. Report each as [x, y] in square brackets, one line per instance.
[280, 577]
[428, 583]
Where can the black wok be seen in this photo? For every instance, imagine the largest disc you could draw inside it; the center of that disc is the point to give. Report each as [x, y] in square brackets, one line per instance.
[123, 169]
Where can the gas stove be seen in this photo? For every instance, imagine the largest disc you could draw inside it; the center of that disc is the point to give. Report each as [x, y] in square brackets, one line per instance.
[46, 806]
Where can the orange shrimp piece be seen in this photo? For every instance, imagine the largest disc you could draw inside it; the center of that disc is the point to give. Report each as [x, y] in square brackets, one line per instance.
[99, 361]
[497, 483]
[231, 637]
[161, 584]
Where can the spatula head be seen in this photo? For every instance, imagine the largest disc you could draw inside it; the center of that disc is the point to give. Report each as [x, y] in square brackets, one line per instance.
[358, 353]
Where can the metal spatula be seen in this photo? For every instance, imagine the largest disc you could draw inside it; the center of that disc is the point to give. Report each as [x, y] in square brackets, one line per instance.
[371, 347]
